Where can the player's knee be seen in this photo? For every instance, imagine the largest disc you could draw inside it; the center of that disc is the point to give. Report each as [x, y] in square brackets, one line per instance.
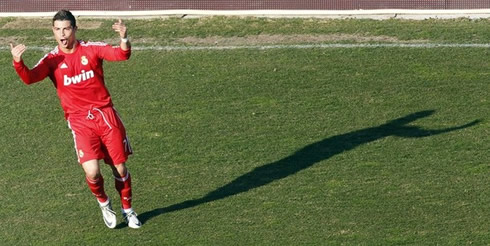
[120, 171]
[93, 175]
[91, 169]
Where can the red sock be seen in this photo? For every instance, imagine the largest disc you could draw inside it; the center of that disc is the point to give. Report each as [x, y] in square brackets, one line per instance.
[123, 186]
[97, 188]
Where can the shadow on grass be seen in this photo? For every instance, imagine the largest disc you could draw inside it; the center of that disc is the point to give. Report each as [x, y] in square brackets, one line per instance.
[307, 157]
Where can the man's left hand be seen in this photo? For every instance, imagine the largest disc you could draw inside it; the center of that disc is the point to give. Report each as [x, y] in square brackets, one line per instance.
[120, 28]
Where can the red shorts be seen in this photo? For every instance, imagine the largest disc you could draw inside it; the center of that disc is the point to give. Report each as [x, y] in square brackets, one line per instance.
[100, 134]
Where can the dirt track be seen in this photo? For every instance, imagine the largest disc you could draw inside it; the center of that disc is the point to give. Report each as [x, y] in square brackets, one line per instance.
[128, 5]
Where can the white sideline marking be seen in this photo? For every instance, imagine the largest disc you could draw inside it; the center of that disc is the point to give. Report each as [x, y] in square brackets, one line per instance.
[312, 46]
[288, 46]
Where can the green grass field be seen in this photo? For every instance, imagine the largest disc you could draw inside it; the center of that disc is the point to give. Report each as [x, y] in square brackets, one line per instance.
[286, 146]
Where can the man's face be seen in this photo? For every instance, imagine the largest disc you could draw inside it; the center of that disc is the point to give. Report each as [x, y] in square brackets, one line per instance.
[64, 33]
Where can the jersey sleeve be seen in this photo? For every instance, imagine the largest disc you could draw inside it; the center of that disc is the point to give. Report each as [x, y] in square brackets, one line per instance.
[29, 76]
[113, 53]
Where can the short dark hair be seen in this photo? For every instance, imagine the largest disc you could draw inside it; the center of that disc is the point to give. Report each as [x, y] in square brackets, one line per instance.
[65, 15]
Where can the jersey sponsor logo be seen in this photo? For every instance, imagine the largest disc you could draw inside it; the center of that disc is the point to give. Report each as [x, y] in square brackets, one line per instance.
[78, 78]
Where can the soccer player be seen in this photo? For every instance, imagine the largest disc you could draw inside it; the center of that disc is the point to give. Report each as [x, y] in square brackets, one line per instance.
[75, 68]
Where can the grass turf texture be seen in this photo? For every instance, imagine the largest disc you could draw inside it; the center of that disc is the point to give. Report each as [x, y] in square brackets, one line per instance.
[284, 146]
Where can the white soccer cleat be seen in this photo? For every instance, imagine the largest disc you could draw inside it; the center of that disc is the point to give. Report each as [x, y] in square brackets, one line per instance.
[108, 215]
[132, 220]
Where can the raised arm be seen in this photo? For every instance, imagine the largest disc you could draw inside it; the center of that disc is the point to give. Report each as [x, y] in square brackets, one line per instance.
[17, 52]
[28, 76]
[121, 28]
[117, 53]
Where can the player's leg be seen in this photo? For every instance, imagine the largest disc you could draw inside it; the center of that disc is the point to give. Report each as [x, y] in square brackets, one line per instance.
[122, 179]
[123, 184]
[95, 182]
[117, 148]
[87, 147]
[88, 150]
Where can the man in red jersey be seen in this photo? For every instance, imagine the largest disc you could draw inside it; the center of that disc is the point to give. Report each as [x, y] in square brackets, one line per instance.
[75, 68]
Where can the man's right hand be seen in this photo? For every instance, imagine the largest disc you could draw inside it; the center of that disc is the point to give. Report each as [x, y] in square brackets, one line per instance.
[17, 51]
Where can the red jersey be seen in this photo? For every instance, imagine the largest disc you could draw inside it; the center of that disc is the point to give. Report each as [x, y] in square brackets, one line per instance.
[78, 77]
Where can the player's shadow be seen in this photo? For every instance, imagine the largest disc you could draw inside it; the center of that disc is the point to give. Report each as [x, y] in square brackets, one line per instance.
[307, 157]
